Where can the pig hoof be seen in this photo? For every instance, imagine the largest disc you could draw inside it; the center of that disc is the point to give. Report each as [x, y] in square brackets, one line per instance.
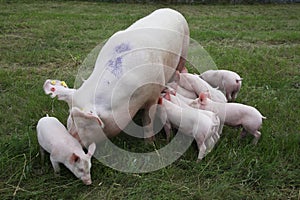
[89, 182]
[254, 142]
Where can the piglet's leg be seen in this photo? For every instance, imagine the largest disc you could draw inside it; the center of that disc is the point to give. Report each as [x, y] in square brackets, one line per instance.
[42, 152]
[228, 96]
[201, 146]
[55, 166]
[209, 143]
[243, 133]
[233, 95]
[257, 135]
[216, 136]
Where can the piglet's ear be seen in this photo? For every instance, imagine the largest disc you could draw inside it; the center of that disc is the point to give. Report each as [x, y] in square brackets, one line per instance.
[74, 158]
[202, 98]
[159, 102]
[172, 91]
[76, 112]
[184, 70]
[91, 149]
[167, 96]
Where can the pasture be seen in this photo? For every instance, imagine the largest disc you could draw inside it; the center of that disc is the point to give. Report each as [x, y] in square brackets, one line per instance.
[51, 39]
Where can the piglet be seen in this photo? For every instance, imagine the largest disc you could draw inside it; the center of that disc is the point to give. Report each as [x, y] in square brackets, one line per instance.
[184, 102]
[233, 114]
[63, 148]
[227, 81]
[180, 90]
[193, 82]
[191, 122]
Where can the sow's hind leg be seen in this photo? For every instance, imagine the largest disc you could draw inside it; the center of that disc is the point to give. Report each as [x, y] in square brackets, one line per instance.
[185, 45]
[181, 64]
[148, 122]
[150, 108]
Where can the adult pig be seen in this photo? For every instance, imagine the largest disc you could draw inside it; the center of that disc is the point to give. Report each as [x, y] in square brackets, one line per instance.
[129, 74]
[63, 148]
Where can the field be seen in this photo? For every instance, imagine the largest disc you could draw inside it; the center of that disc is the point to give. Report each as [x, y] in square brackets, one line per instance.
[51, 39]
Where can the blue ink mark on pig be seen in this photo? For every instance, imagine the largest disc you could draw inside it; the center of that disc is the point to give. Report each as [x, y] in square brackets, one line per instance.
[115, 66]
[122, 48]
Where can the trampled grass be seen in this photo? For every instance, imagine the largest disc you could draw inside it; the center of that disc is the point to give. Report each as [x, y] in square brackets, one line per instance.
[41, 40]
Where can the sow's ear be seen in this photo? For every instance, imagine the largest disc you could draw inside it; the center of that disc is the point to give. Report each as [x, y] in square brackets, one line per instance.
[54, 87]
[76, 112]
[59, 89]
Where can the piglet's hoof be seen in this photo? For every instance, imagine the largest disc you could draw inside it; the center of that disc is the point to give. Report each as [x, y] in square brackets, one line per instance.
[56, 174]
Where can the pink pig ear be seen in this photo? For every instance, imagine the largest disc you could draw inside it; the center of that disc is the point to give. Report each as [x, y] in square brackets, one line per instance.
[167, 96]
[74, 158]
[184, 70]
[159, 102]
[91, 149]
[76, 112]
[202, 98]
[49, 87]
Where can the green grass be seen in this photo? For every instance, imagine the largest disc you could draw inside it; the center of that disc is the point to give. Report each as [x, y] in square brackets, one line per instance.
[41, 40]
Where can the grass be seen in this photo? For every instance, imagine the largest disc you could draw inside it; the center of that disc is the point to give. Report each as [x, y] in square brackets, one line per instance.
[41, 39]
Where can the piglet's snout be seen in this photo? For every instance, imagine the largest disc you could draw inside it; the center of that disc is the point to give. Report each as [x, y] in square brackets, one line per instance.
[87, 181]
